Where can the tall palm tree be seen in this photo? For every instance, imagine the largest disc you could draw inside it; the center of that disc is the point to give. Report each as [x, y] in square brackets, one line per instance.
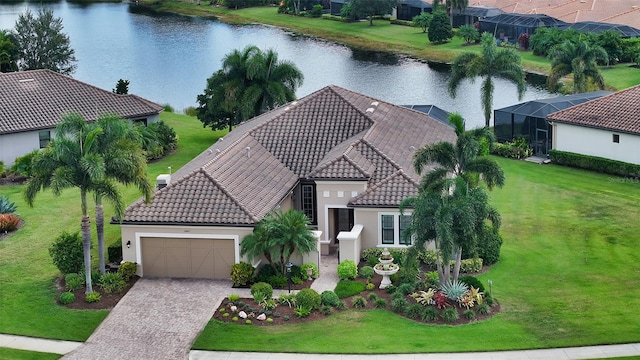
[453, 5]
[125, 163]
[235, 81]
[71, 160]
[460, 159]
[492, 62]
[577, 58]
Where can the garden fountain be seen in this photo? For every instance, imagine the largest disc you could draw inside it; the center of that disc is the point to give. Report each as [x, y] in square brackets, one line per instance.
[386, 268]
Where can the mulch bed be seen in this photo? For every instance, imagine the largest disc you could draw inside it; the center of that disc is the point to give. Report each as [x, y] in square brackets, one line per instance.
[107, 301]
[13, 179]
[285, 311]
[8, 233]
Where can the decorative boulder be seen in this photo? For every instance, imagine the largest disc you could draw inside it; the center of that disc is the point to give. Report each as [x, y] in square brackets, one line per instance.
[242, 314]
[233, 308]
[262, 317]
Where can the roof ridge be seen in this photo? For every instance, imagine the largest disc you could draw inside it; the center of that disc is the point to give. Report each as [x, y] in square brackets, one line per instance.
[355, 164]
[384, 181]
[620, 14]
[226, 150]
[596, 99]
[364, 141]
[228, 194]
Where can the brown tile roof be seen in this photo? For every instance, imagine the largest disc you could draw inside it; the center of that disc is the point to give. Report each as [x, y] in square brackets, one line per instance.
[36, 99]
[333, 133]
[619, 111]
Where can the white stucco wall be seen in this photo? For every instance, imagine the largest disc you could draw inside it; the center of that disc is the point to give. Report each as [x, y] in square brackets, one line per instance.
[334, 194]
[19, 144]
[596, 142]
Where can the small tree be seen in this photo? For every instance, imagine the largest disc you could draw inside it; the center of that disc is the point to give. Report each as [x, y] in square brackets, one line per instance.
[422, 21]
[42, 44]
[469, 33]
[66, 253]
[440, 28]
[122, 87]
[369, 8]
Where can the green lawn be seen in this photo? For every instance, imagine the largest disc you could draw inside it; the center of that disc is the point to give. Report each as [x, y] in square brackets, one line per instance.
[381, 37]
[569, 275]
[27, 291]
[13, 354]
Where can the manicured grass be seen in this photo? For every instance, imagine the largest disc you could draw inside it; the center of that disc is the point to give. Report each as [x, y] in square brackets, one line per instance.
[569, 275]
[383, 36]
[27, 292]
[13, 354]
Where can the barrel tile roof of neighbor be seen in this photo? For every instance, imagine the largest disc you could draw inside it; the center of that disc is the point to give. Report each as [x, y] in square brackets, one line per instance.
[331, 134]
[37, 99]
[619, 111]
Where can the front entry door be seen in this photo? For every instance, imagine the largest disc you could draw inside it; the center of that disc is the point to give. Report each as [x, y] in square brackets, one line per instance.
[343, 219]
[542, 142]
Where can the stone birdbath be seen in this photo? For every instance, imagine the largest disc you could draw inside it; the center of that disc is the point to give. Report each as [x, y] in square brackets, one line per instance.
[386, 268]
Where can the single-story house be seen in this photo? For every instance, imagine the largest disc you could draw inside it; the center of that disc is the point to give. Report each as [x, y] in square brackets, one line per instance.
[408, 9]
[507, 27]
[343, 158]
[607, 127]
[529, 119]
[335, 6]
[597, 27]
[472, 14]
[33, 102]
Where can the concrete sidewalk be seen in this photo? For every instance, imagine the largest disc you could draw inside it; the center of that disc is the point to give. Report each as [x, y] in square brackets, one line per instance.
[36, 344]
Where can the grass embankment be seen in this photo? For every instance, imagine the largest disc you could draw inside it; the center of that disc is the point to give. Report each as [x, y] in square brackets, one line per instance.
[384, 36]
[27, 291]
[569, 275]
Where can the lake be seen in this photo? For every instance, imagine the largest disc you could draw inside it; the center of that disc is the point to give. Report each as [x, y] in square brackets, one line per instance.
[167, 58]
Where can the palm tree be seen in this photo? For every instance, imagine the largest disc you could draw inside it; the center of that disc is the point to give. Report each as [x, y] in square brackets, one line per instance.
[277, 236]
[235, 81]
[71, 160]
[451, 207]
[578, 58]
[125, 163]
[8, 52]
[460, 159]
[493, 62]
[456, 5]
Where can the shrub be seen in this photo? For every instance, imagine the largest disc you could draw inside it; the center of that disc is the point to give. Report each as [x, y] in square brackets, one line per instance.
[234, 319]
[341, 305]
[6, 206]
[359, 302]
[248, 322]
[366, 272]
[424, 297]
[390, 289]
[422, 21]
[288, 299]
[427, 257]
[454, 290]
[397, 295]
[381, 303]
[440, 28]
[301, 311]
[241, 273]
[347, 270]
[469, 265]
[264, 273]
[127, 270]
[472, 281]
[346, 288]
[399, 305]
[316, 11]
[371, 255]
[308, 298]
[114, 252]
[225, 315]
[67, 298]
[484, 308]
[261, 291]
[269, 320]
[277, 281]
[516, 149]
[269, 304]
[489, 244]
[488, 299]
[233, 297]
[314, 269]
[469, 33]
[168, 108]
[165, 135]
[431, 280]
[329, 297]
[23, 164]
[285, 318]
[296, 280]
[66, 253]
[372, 296]
[469, 314]
[594, 163]
[429, 314]
[92, 297]
[112, 282]
[370, 286]
[8, 222]
[191, 111]
[326, 310]
[414, 311]
[406, 289]
[73, 281]
[450, 315]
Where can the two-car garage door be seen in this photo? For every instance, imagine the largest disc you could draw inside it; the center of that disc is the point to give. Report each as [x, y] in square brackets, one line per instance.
[187, 258]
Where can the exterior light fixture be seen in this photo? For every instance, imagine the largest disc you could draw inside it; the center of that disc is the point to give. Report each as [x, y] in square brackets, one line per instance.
[288, 266]
[128, 244]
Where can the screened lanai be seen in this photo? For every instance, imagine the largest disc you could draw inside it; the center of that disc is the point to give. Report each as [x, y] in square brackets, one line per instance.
[529, 119]
[433, 111]
[598, 27]
[508, 27]
[471, 14]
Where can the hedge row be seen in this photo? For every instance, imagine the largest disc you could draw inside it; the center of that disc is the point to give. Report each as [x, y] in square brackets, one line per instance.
[594, 163]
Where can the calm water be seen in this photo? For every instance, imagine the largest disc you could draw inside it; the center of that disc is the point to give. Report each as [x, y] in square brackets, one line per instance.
[167, 58]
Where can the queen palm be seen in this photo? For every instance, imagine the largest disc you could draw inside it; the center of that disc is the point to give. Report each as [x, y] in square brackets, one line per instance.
[577, 58]
[491, 63]
[71, 160]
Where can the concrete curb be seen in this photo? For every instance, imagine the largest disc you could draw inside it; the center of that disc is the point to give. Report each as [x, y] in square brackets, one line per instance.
[35, 344]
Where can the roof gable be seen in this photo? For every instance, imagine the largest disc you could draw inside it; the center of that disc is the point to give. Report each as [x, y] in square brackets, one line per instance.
[37, 99]
[388, 193]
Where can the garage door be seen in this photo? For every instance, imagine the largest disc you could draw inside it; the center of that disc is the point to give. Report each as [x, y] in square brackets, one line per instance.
[187, 258]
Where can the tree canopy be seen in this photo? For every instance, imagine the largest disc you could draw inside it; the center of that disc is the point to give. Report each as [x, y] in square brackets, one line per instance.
[42, 44]
[370, 8]
[8, 51]
[250, 82]
[422, 21]
[440, 28]
[577, 58]
[492, 62]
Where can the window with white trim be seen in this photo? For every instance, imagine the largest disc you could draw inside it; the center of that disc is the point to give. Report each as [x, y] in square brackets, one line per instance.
[392, 226]
[309, 202]
[45, 138]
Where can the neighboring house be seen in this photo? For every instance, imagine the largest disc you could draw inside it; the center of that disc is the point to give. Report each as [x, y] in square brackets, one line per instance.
[33, 102]
[343, 158]
[607, 127]
[335, 6]
[472, 14]
[507, 27]
[529, 119]
[596, 27]
[408, 9]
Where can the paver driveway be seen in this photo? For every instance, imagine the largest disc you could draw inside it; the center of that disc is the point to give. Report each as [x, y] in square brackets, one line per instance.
[156, 319]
